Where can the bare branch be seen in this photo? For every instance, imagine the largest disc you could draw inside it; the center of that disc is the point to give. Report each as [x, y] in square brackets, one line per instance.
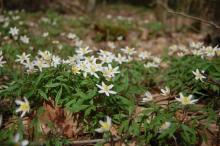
[169, 10]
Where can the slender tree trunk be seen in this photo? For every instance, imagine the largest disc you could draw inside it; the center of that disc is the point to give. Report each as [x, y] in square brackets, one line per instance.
[160, 12]
[91, 5]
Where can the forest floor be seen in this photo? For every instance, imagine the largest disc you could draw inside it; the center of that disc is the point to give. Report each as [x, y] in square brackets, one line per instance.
[110, 28]
[117, 25]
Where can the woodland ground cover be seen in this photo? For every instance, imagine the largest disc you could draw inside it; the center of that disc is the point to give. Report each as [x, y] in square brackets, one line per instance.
[69, 80]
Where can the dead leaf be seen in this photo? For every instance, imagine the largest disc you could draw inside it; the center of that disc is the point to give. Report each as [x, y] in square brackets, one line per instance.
[65, 123]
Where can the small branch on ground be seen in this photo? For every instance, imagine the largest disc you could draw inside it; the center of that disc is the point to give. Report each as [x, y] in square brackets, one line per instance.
[94, 141]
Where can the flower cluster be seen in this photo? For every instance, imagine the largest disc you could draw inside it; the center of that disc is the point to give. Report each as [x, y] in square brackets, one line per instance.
[151, 61]
[14, 32]
[44, 59]
[197, 49]
[10, 17]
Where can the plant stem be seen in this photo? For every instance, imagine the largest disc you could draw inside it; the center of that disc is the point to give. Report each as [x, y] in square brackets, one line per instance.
[168, 104]
[184, 114]
[112, 140]
[218, 134]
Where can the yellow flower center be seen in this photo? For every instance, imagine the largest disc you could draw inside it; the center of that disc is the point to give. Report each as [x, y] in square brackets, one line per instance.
[106, 126]
[24, 107]
[186, 100]
[75, 70]
[218, 52]
[93, 68]
[105, 88]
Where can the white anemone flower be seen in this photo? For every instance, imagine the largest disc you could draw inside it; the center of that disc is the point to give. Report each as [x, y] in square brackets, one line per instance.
[147, 97]
[164, 126]
[210, 51]
[41, 64]
[120, 59]
[109, 72]
[45, 34]
[199, 75]
[156, 60]
[24, 106]
[55, 61]
[1, 60]
[196, 45]
[197, 52]
[24, 39]
[151, 64]
[71, 36]
[92, 69]
[128, 50]
[83, 50]
[23, 58]
[186, 100]
[105, 53]
[46, 55]
[165, 92]
[106, 89]
[105, 126]
[144, 55]
[106, 58]
[75, 69]
[111, 45]
[18, 141]
[30, 66]
[14, 31]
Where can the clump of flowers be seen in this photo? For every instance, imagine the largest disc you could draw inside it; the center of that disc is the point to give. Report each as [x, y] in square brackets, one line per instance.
[197, 49]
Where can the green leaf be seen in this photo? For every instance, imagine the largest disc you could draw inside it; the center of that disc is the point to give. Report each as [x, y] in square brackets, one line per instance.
[78, 107]
[124, 125]
[168, 132]
[39, 79]
[89, 110]
[52, 85]
[43, 94]
[59, 93]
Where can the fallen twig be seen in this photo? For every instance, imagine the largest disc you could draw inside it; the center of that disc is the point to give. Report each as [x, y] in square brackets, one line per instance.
[93, 141]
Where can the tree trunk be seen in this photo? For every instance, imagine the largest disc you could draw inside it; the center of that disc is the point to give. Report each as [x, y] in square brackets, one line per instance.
[91, 5]
[160, 12]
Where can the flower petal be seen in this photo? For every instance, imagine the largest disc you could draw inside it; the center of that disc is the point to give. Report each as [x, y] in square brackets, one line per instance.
[99, 130]
[24, 142]
[16, 137]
